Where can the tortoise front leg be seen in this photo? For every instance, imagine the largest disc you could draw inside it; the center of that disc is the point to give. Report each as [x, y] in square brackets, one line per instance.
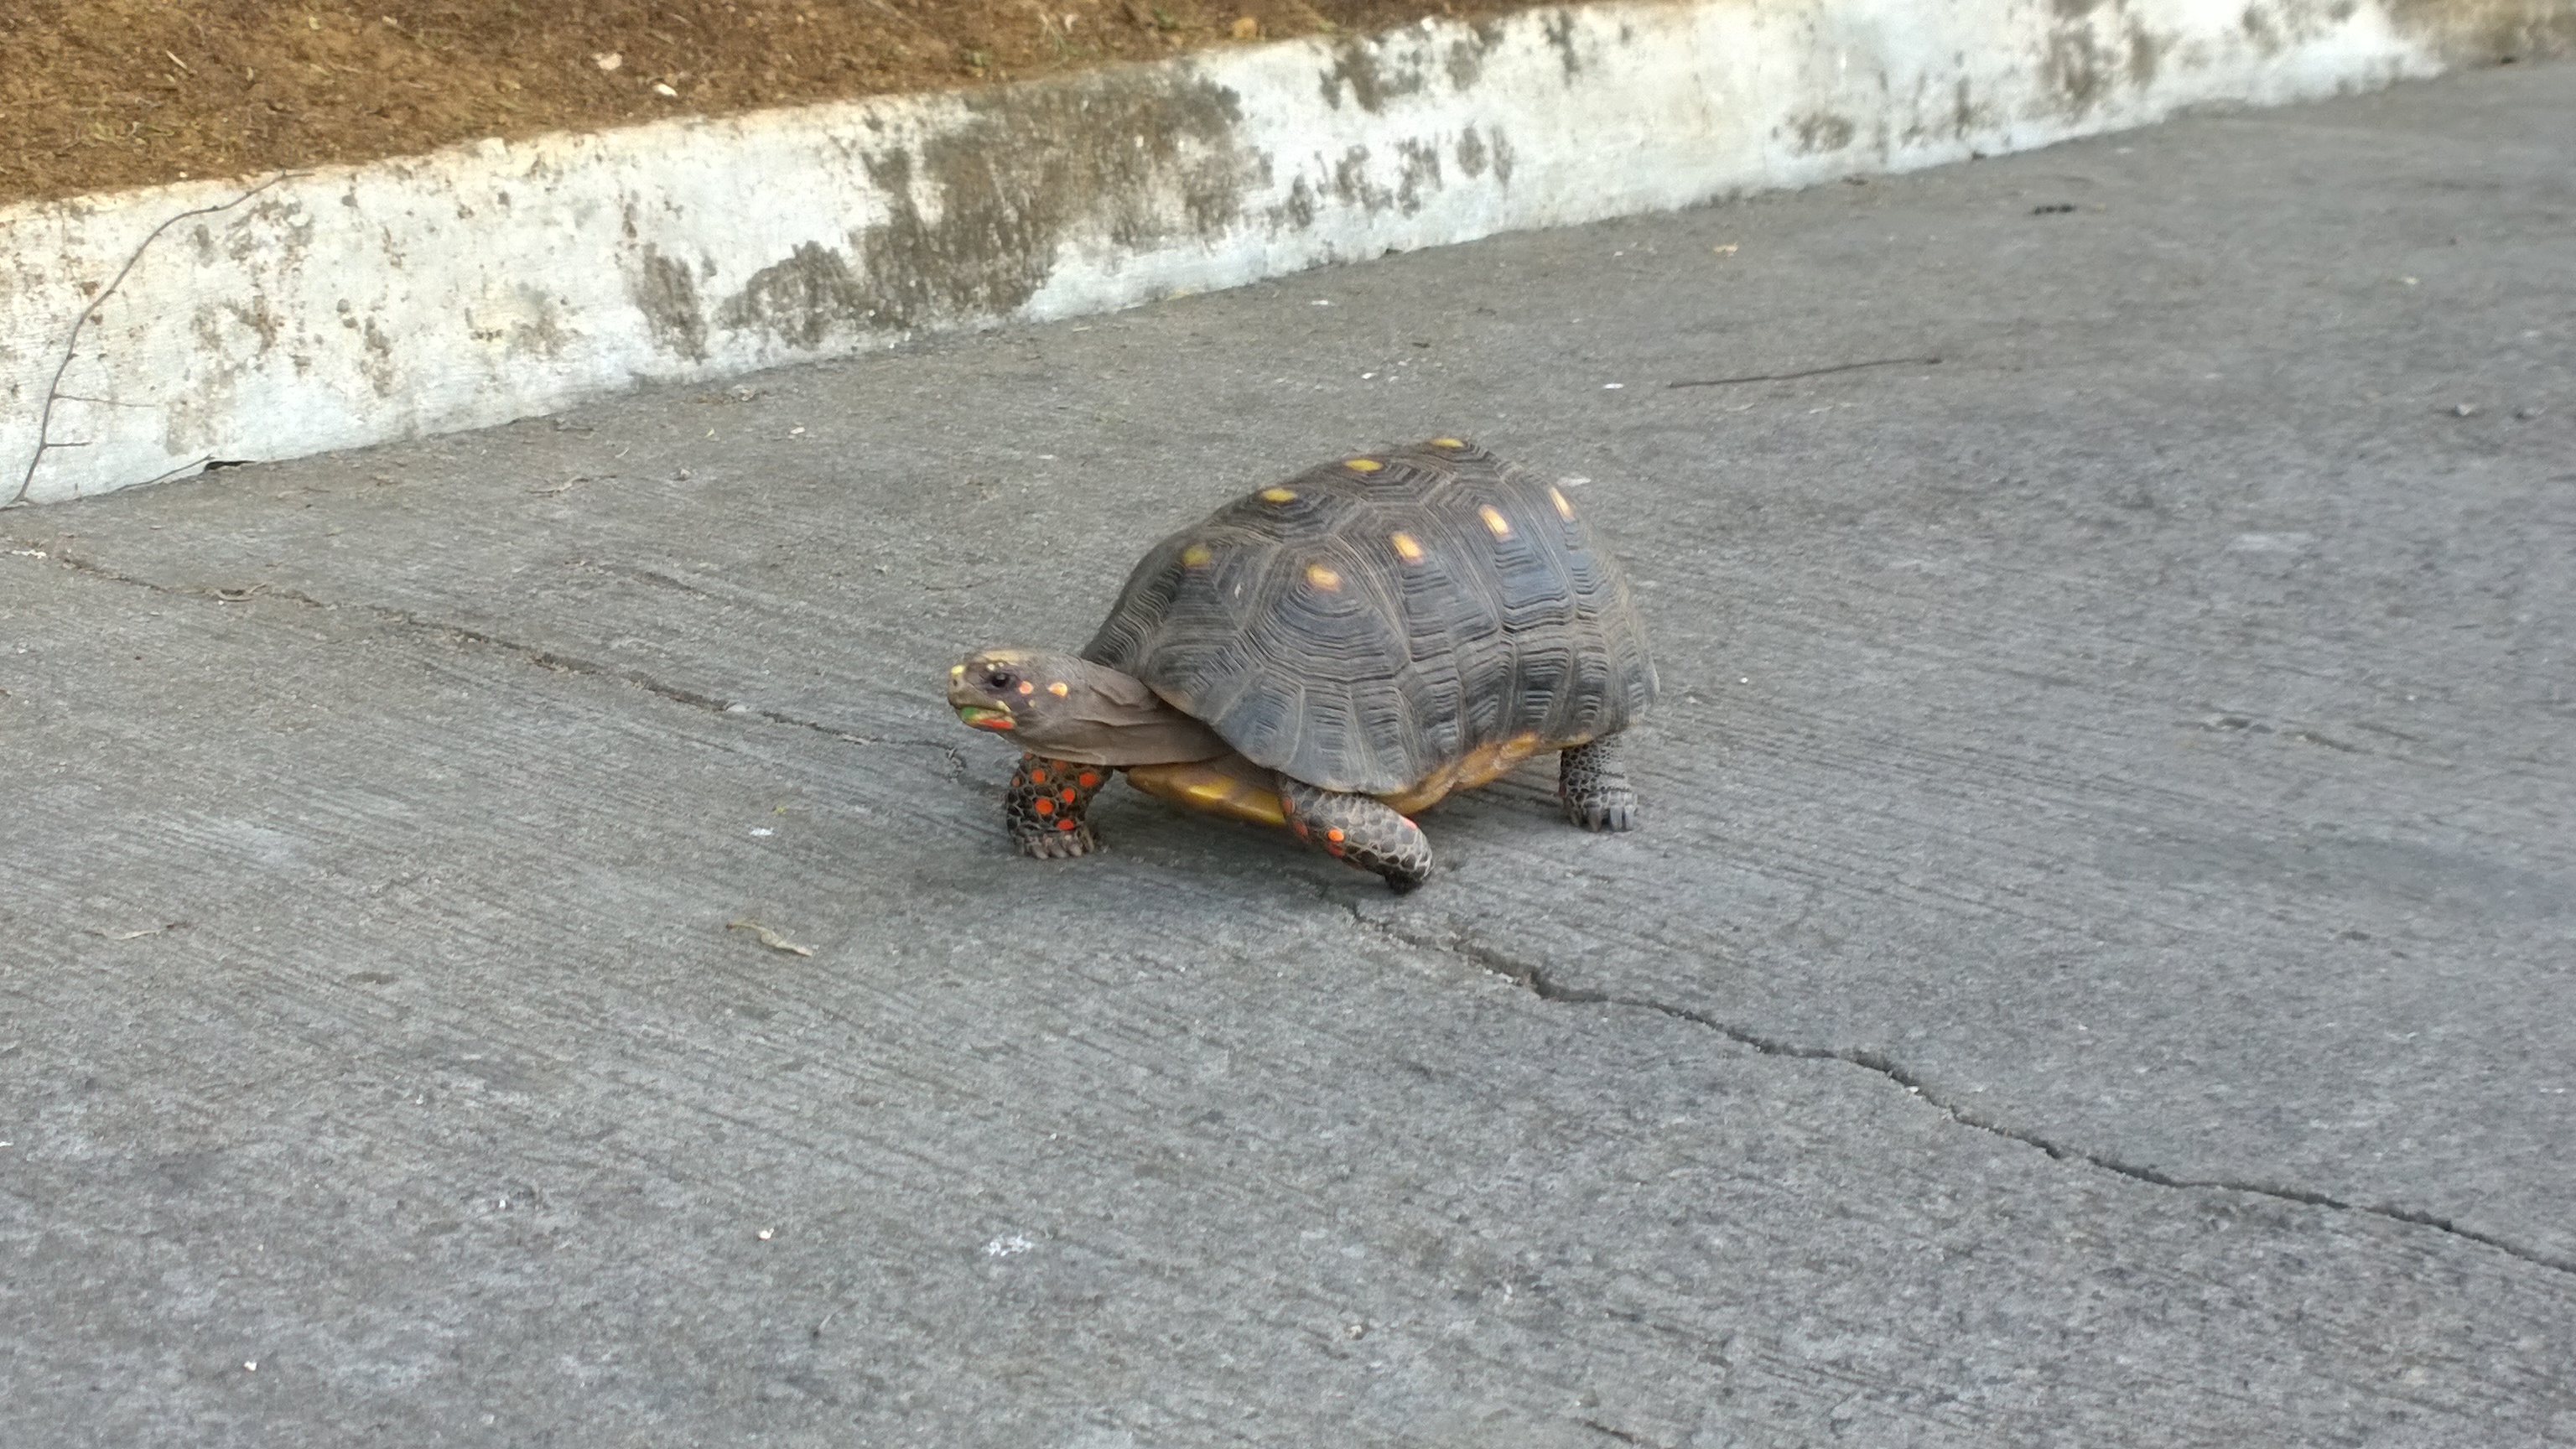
[1043, 808]
[1358, 830]
[1595, 789]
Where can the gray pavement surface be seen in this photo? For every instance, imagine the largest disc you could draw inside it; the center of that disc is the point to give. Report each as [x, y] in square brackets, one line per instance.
[2100, 967]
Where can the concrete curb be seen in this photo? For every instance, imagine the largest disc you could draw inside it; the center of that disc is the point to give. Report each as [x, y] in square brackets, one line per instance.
[144, 335]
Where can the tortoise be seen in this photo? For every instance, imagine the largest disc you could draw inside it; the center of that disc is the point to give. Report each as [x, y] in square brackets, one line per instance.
[1334, 653]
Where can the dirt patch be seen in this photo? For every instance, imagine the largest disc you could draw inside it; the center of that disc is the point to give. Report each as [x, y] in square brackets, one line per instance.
[104, 94]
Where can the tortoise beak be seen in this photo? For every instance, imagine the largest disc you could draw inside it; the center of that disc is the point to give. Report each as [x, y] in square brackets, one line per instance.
[979, 711]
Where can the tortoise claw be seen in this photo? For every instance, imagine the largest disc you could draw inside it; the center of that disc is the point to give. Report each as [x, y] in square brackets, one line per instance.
[1602, 815]
[1595, 789]
[1060, 844]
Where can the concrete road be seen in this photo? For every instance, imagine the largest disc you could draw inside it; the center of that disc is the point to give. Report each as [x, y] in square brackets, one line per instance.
[2100, 967]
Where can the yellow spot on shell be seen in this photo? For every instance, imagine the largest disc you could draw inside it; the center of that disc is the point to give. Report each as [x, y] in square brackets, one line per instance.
[1448, 442]
[1363, 465]
[1057, 689]
[1494, 521]
[1405, 545]
[1322, 577]
[1196, 556]
[1564, 509]
[1279, 495]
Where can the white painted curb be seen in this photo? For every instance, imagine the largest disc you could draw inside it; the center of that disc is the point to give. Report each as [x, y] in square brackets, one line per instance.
[147, 333]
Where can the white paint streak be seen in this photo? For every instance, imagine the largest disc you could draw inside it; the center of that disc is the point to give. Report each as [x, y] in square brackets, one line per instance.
[357, 305]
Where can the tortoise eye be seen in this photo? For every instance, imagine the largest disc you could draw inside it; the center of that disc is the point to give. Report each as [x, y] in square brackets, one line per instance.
[1001, 679]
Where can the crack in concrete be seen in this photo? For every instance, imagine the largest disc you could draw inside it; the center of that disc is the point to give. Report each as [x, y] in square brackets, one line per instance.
[1624, 1436]
[89, 313]
[534, 654]
[1808, 372]
[1531, 978]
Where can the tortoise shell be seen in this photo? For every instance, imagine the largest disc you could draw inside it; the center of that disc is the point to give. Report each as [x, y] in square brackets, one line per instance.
[1389, 622]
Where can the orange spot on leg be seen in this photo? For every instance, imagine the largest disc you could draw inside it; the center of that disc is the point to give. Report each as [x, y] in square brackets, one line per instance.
[1067, 823]
[1067, 796]
[1087, 779]
[1037, 777]
[1333, 835]
[1043, 805]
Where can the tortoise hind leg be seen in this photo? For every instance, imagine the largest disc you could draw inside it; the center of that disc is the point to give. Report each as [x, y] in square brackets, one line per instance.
[1358, 830]
[1595, 788]
[1043, 808]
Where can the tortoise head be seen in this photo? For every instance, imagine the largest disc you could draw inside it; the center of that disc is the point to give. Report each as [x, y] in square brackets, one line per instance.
[1072, 709]
[988, 688]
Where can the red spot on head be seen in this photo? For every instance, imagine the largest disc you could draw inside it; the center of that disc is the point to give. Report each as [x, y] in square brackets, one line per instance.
[1043, 805]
